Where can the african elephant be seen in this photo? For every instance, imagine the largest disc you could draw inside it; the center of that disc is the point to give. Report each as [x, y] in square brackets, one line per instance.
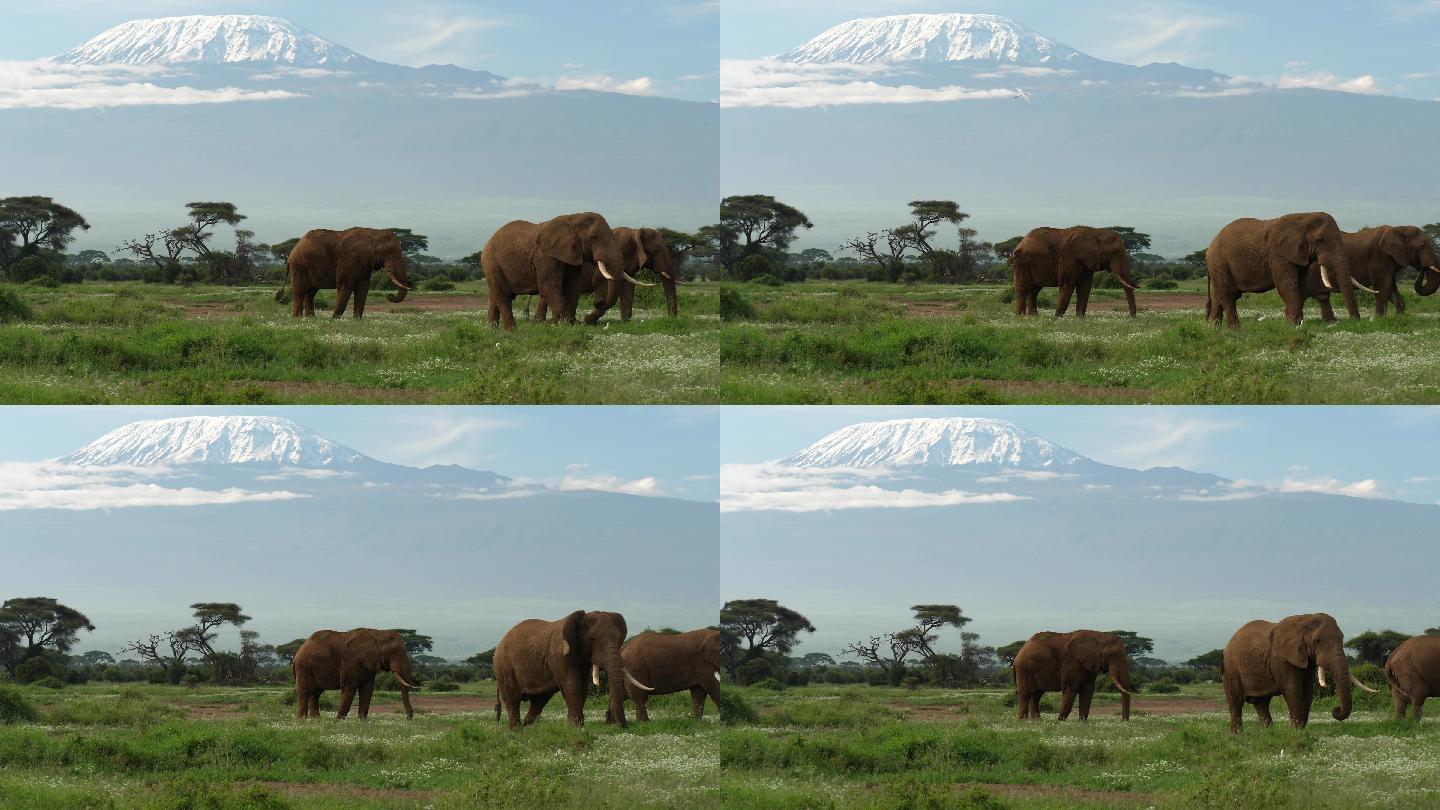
[330, 659]
[641, 248]
[548, 259]
[674, 662]
[1069, 663]
[1413, 671]
[1068, 258]
[342, 261]
[1288, 657]
[537, 658]
[1376, 256]
[1259, 255]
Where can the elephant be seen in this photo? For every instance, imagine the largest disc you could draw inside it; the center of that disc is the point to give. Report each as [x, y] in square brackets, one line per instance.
[1376, 256]
[1413, 671]
[342, 261]
[641, 248]
[1259, 255]
[537, 658]
[674, 662]
[330, 659]
[548, 259]
[1068, 663]
[1068, 258]
[1264, 659]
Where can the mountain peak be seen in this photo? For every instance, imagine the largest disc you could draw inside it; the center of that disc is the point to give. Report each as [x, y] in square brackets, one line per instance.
[210, 39]
[936, 442]
[973, 38]
[213, 440]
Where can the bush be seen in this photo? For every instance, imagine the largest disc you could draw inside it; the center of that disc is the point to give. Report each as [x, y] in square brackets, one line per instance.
[437, 284]
[1163, 686]
[32, 670]
[767, 280]
[1160, 284]
[734, 306]
[44, 281]
[754, 671]
[48, 682]
[753, 266]
[734, 709]
[770, 684]
[14, 708]
[442, 684]
[13, 307]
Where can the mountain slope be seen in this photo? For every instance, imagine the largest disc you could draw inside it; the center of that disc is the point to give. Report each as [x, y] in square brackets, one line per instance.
[227, 39]
[213, 440]
[950, 442]
[975, 38]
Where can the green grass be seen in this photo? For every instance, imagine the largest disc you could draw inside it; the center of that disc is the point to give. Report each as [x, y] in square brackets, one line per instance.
[135, 343]
[841, 747]
[874, 343]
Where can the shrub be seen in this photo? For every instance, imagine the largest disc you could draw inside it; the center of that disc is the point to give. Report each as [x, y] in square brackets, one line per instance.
[1159, 283]
[44, 281]
[13, 307]
[767, 280]
[734, 709]
[48, 682]
[734, 306]
[753, 266]
[34, 669]
[442, 684]
[1162, 686]
[771, 684]
[437, 284]
[754, 671]
[14, 708]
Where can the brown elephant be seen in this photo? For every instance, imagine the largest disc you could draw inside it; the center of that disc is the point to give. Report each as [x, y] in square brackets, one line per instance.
[1376, 256]
[641, 248]
[674, 662]
[342, 261]
[330, 659]
[1287, 658]
[1069, 663]
[1413, 671]
[537, 658]
[548, 259]
[1068, 258]
[1259, 255]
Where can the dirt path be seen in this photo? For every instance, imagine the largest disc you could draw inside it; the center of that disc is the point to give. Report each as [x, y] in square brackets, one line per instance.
[437, 704]
[429, 302]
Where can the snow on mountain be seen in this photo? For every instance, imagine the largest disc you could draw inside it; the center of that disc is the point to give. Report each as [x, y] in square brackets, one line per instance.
[214, 440]
[232, 38]
[948, 442]
[972, 38]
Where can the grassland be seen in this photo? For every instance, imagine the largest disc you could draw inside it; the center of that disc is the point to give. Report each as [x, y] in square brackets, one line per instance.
[891, 344]
[818, 746]
[137, 343]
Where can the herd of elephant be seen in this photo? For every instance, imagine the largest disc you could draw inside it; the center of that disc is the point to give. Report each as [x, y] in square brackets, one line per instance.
[535, 660]
[1299, 255]
[560, 260]
[1263, 660]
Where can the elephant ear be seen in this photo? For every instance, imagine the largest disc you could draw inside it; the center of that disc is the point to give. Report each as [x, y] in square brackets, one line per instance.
[560, 241]
[642, 256]
[710, 649]
[1392, 244]
[1286, 239]
[364, 649]
[569, 643]
[1294, 641]
[1086, 651]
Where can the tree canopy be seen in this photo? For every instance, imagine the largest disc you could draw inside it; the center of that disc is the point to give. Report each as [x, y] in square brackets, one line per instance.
[30, 224]
[30, 625]
[1135, 644]
[764, 625]
[750, 223]
[415, 643]
[1374, 647]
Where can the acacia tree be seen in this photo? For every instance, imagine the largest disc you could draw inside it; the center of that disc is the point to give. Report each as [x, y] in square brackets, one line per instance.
[286, 652]
[1375, 647]
[1135, 644]
[762, 625]
[1007, 653]
[888, 652]
[162, 249]
[30, 625]
[891, 260]
[751, 223]
[171, 649]
[30, 224]
[415, 643]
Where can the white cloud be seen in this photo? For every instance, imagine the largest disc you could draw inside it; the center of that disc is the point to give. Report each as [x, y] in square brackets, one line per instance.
[773, 83]
[51, 485]
[1159, 35]
[1165, 440]
[1368, 488]
[577, 478]
[778, 488]
[301, 472]
[424, 36]
[1321, 80]
[444, 438]
[46, 84]
[1025, 475]
[642, 86]
[287, 72]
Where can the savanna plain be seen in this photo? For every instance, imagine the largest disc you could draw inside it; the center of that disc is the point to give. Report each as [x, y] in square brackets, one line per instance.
[103, 745]
[866, 342]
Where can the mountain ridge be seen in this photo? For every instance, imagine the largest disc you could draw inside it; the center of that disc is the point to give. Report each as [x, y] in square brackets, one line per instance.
[954, 37]
[211, 39]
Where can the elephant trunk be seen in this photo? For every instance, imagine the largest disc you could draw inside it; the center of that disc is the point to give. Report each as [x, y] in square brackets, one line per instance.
[400, 668]
[395, 269]
[1336, 265]
[615, 671]
[1121, 269]
[1121, 676]
[668, 280]
[1428, 282]
[1340, 671]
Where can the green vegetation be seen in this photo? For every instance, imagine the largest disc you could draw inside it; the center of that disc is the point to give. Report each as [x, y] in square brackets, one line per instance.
[99, 343]
[860, 342]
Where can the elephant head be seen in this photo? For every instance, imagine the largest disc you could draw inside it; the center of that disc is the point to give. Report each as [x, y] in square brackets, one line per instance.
[1315, 639]
[653, 252]
[592, 640]
[392, 257]
[575, 239]
[1104, 652]
[376, 651]
[1314, 238]
[1097, 249]
[1409, 246]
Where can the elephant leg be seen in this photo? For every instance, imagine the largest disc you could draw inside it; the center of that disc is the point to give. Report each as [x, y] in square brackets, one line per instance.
[347, 696]
[1082, 295]
[1232, 312]
[1087, 693]
[573, 690]
[1022, 704]
[1022, 298]
[641, 713]
[552, 292]
[542, 310]
[297, 297]
[506, 307]
[1067, 701]
[1035, 704]
[1294, 693]
[302, 702]
[1067, 288]
[627, 301]
[697, 702]
[1401, 702]
[712, 689]
[361, 293]
[537, 705]
[315, 702]
[310, 301]
[1262, 710]
[1397, 298]
[1419, 701]
[1234, 701]
[342, 300]
[367, 689]
[1327, 313]
[1288, 285]
[512, 709]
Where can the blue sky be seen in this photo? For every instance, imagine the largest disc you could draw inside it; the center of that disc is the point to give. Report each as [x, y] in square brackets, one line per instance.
[675, 445]
[1397, 42]
[672, 42]
[1329, 447]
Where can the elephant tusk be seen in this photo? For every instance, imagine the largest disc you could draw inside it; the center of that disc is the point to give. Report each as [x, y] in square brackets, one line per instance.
[406, 683]
[604, 271]
[1362, 286]
[1325, 277]
[595, 674]
[635, 281]
[1127, 285]
[717, 675]
[1357, 682]
[667, 275]
[1123, 689]
[631, 679]
[1320, 675]
[564, 647]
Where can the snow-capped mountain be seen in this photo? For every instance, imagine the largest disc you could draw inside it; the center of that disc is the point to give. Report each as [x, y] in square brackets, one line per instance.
[948, 442]
[225, 39]
[974, 38]
[214, 440]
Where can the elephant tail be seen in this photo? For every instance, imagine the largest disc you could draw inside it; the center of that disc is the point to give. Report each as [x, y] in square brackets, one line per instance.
[284, 284]
[1395, 684]
[497, 709]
